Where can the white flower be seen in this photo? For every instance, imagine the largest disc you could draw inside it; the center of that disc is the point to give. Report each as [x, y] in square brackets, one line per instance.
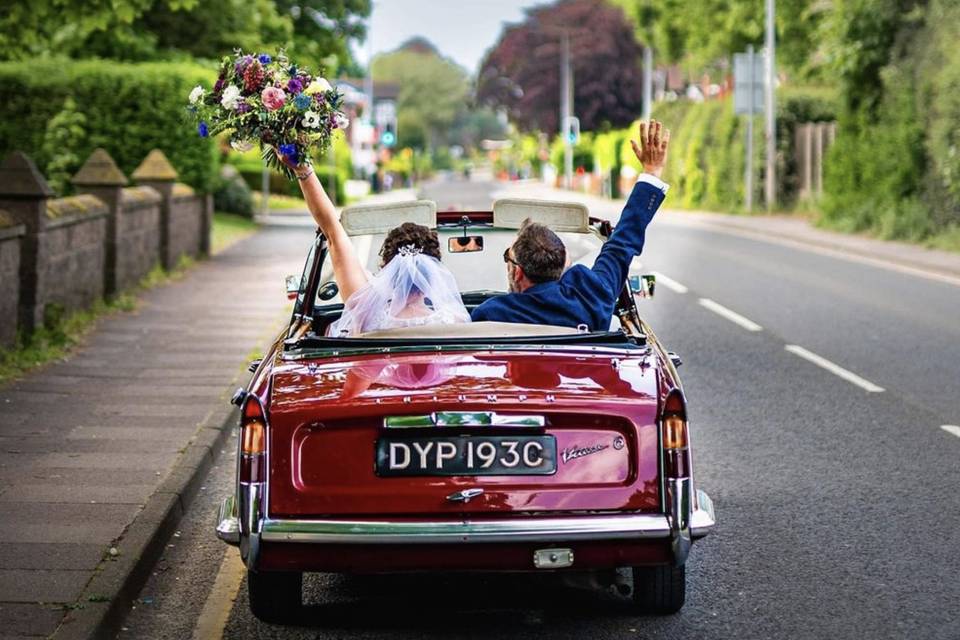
[241, 145]
[311, 119]
[196, 95]
[317, 86]
[230, 97]
[341, 121]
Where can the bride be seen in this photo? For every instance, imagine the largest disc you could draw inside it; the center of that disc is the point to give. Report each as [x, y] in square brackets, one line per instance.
[412, 287]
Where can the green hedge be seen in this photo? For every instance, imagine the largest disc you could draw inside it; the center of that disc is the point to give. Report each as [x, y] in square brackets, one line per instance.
[707, 159]
[894, 169]
[129, 109]
[279, 184]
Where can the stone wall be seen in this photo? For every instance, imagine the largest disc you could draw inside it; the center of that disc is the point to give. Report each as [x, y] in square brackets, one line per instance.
[11, 235]
[71, 254]
[138, 235]
[67, 253]
[186, 223]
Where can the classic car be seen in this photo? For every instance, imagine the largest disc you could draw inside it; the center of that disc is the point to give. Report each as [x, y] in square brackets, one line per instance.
[483, 446]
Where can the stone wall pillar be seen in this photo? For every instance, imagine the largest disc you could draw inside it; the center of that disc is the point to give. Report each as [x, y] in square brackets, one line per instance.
[101, 177]
[23, 194]
[157, 172]
[206, 225]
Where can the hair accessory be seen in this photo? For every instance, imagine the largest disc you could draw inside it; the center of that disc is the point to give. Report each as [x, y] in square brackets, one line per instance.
[409, 250]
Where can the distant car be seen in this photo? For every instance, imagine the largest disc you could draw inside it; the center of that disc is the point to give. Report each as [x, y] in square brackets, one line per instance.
[484, 446]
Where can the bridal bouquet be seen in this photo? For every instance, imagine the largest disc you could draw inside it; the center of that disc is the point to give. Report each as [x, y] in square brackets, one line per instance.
[259, 98]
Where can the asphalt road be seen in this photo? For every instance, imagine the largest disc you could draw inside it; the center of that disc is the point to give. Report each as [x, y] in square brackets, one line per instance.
[837, 502]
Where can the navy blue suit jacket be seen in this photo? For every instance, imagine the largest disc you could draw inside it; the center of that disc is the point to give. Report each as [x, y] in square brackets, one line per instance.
[582, 295]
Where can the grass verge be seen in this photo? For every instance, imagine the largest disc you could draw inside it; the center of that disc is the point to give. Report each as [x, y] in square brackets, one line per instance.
[229, 228]
[61, 332]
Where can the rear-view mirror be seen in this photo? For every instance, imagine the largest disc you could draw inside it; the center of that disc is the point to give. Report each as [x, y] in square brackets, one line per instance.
[465, 244]
[643, 286]
[293, 286]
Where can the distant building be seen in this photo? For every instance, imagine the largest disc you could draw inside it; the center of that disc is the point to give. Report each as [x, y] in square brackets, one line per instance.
[364, 137]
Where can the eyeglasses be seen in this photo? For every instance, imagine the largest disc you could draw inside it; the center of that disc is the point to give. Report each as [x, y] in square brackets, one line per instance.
[508, 259]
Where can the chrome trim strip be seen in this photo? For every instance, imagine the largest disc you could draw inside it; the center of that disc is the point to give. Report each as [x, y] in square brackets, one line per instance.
[703, 519]
[518, 529]
[679, 501]
[463, 419]
[228, 524]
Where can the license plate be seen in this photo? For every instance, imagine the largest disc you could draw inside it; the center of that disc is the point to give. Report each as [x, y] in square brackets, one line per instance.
[467, 456]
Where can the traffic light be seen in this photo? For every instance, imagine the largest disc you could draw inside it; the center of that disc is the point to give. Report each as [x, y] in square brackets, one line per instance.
[388, 137]
[571, 129]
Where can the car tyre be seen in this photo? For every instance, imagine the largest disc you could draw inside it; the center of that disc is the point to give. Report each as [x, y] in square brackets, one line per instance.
[275, 596]
[659, 590]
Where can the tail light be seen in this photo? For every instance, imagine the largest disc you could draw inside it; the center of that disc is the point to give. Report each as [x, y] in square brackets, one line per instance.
[675, 436]
[253, 441]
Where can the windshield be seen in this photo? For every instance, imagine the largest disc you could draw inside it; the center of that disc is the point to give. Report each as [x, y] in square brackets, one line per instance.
[475, 271]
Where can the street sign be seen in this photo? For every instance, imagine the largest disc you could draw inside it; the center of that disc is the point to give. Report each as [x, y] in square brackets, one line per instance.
[747, 83]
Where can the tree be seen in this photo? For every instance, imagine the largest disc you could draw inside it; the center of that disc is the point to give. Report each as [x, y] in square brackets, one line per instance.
[698, 34]
[37, 27]
[433, 92]
[314, 32]
[522, 71]
[323, 27]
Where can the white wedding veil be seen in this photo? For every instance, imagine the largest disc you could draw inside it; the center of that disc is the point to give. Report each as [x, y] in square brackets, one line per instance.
[412, 289]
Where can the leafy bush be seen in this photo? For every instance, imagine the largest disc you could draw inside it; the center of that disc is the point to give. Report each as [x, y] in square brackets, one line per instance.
[129, 110]
[895, 167]
[64, 136]
[232, 194]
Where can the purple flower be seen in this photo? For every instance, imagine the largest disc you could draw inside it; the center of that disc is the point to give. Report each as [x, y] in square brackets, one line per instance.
[242, 107]
[295, 85]
[264, 58]
[242, 63]
[202, 130]
[218, 85]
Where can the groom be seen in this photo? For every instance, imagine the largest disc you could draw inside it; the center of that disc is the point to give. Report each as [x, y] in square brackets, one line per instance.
[540, 291]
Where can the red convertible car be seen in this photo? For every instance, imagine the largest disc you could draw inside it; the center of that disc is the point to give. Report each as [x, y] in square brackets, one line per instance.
[479, 447]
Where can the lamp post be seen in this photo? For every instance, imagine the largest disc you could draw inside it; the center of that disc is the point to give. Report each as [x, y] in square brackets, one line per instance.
[770, 190]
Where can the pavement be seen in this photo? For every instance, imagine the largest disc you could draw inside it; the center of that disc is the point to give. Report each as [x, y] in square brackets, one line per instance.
[831, 474]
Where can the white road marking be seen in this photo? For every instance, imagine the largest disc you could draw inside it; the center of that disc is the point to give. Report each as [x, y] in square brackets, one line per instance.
[835, 369]
[216, 610]
[951, 428]
[730, 315]
[669, 283]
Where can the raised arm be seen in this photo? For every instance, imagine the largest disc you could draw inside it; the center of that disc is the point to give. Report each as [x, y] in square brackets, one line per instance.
[347, 269]
[628, 237]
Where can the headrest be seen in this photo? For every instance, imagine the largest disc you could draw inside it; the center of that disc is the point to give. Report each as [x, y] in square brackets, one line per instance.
[381, 218]
[509, 213]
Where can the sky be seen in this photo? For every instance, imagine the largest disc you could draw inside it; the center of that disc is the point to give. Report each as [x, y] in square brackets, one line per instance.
[460, 29]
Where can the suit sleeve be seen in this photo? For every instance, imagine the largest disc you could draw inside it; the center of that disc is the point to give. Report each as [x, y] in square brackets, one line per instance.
[627, 239]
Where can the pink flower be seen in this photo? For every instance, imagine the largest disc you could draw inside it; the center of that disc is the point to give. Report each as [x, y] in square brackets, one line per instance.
[273, 98]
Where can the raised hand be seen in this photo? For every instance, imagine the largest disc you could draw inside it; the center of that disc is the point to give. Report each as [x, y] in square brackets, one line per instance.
[651, 151]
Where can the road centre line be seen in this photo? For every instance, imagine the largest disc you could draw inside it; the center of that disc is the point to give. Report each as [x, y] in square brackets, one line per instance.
[835, 369]
[669, 283]
[951, 428]
[730, 315]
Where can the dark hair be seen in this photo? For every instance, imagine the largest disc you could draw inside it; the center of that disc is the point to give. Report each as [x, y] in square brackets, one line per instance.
[409, 234]
[539, 252]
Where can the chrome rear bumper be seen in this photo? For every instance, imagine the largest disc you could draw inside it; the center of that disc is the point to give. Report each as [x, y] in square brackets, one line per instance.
[465, 530]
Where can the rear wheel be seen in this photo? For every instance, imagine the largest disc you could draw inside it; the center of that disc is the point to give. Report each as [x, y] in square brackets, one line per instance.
[659, 590]
[275, 596]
